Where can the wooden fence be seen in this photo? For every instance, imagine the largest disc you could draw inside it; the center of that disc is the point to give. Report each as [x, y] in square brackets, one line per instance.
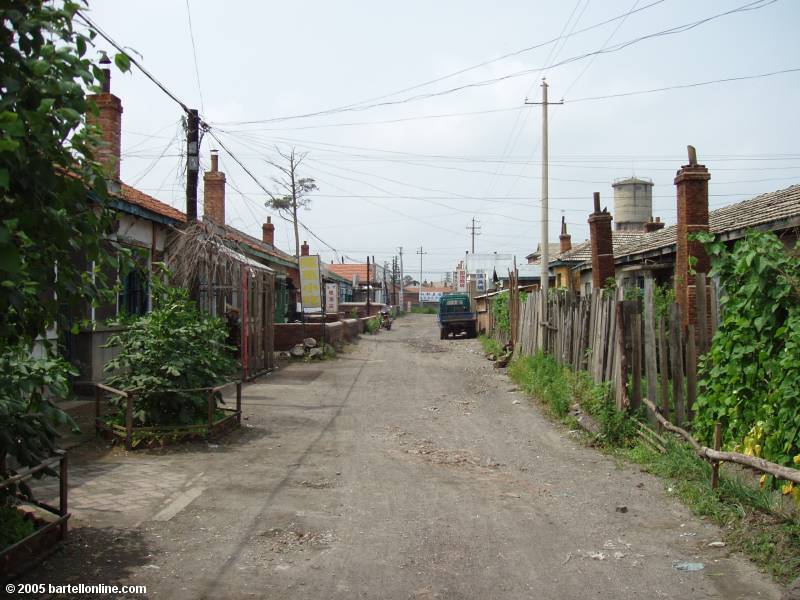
[624, 342]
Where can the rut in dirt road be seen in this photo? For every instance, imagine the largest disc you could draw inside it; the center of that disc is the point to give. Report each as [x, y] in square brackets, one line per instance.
[405, 469]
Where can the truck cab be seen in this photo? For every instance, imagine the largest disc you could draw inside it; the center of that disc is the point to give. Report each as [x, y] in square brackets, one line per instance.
[455, 316]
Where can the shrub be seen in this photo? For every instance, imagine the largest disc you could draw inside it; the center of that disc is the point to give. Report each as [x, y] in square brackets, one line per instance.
[13, 526]
[752, 373]
[28, 417]
[175, 347]
[373, 325]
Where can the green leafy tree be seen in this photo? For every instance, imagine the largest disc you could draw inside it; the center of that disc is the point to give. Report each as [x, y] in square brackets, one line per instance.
[53, 212]
[752, 373]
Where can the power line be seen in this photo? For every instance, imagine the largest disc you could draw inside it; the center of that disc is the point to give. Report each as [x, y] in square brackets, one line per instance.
[92, 25]
[685, 85]
[453, 74]
[755, 5]
[194, 52]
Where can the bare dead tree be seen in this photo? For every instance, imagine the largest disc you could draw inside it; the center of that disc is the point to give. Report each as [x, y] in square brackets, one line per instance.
[292, 191]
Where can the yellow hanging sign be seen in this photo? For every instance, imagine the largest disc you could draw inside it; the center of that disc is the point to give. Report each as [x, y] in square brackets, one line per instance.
[310, 282]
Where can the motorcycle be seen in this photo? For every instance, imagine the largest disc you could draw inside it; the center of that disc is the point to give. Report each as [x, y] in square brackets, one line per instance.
[386, 320]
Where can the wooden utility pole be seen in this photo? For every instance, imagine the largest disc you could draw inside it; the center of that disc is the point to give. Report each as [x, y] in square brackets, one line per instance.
[402, 283]
[192, 162]
[421, 253]
[544, 255]
[368, 285]
[473, 229]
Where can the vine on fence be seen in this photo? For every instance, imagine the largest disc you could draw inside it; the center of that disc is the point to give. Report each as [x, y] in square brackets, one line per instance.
[500, 312]
[752, 372]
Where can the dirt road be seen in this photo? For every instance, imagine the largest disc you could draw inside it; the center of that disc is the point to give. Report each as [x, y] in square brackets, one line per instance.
[406, 468]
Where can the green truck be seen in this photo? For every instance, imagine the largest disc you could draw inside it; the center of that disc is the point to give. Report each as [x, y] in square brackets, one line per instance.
[455, 316]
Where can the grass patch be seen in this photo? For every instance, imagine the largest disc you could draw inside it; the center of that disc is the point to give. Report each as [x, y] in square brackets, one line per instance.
[753, 518]
[559, 387]
[423, 310]
[490, 345]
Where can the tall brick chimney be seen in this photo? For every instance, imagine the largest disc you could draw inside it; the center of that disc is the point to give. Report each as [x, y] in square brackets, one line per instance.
[214, 192]
[565, 239]
[268, 232]
[652, 225]
[109, 120]
[691, 182]
[602, 244]
[304, 249]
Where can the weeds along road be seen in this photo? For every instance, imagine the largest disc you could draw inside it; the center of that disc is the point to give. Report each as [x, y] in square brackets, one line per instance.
[406, 468]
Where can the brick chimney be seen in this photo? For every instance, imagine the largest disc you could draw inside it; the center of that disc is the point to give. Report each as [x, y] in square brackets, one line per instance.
[214, 192]
[304, 249]
[602, 244]
[268, 232]
[109, 120]
[691, 182]
[565, 239]
[652, 225]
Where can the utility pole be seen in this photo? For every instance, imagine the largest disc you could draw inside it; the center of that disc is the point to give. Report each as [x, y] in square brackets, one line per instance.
[421, 253]
[368, 285]
[544, 255]
[473, 229]
[192, 162]
[402, 283]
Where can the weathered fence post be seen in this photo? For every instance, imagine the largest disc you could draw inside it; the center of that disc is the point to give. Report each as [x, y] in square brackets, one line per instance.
[715, 464]
[691, 371]
[676, 353]
[650, 344]
[129, 422]
[663, 367]
[239, 402]
[63, 490]
[636, 359]
[210, 397]
[621, 374]
[98, 395]
[701, 302]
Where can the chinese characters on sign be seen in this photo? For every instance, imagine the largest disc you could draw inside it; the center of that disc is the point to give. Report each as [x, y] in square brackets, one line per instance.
[310, 288]
[331, 298]
[480, 282]
[430, 296]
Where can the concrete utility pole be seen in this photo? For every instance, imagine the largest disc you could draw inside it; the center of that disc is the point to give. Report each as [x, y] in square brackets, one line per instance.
[402, 306]
[420, 252]
[473, 230]
[544, 255]
[192, 162]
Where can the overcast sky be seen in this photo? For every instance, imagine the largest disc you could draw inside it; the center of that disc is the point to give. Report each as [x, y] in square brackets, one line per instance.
[419, 181]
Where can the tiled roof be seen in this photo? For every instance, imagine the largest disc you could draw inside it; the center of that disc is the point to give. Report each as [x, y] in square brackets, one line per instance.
[348, 270]
[553, 248]
[134, 196]
[257, 244]
[761, 210]
[583, 251]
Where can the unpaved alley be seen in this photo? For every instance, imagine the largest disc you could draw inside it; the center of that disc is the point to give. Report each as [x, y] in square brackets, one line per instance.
[406, 468]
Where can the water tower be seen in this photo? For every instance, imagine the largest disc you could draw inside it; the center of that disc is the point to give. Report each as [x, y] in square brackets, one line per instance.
[633, 203]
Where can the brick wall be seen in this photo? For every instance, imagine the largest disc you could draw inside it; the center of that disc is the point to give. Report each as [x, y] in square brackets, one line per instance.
[691, 182]
[288, 335]
[351, 329]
